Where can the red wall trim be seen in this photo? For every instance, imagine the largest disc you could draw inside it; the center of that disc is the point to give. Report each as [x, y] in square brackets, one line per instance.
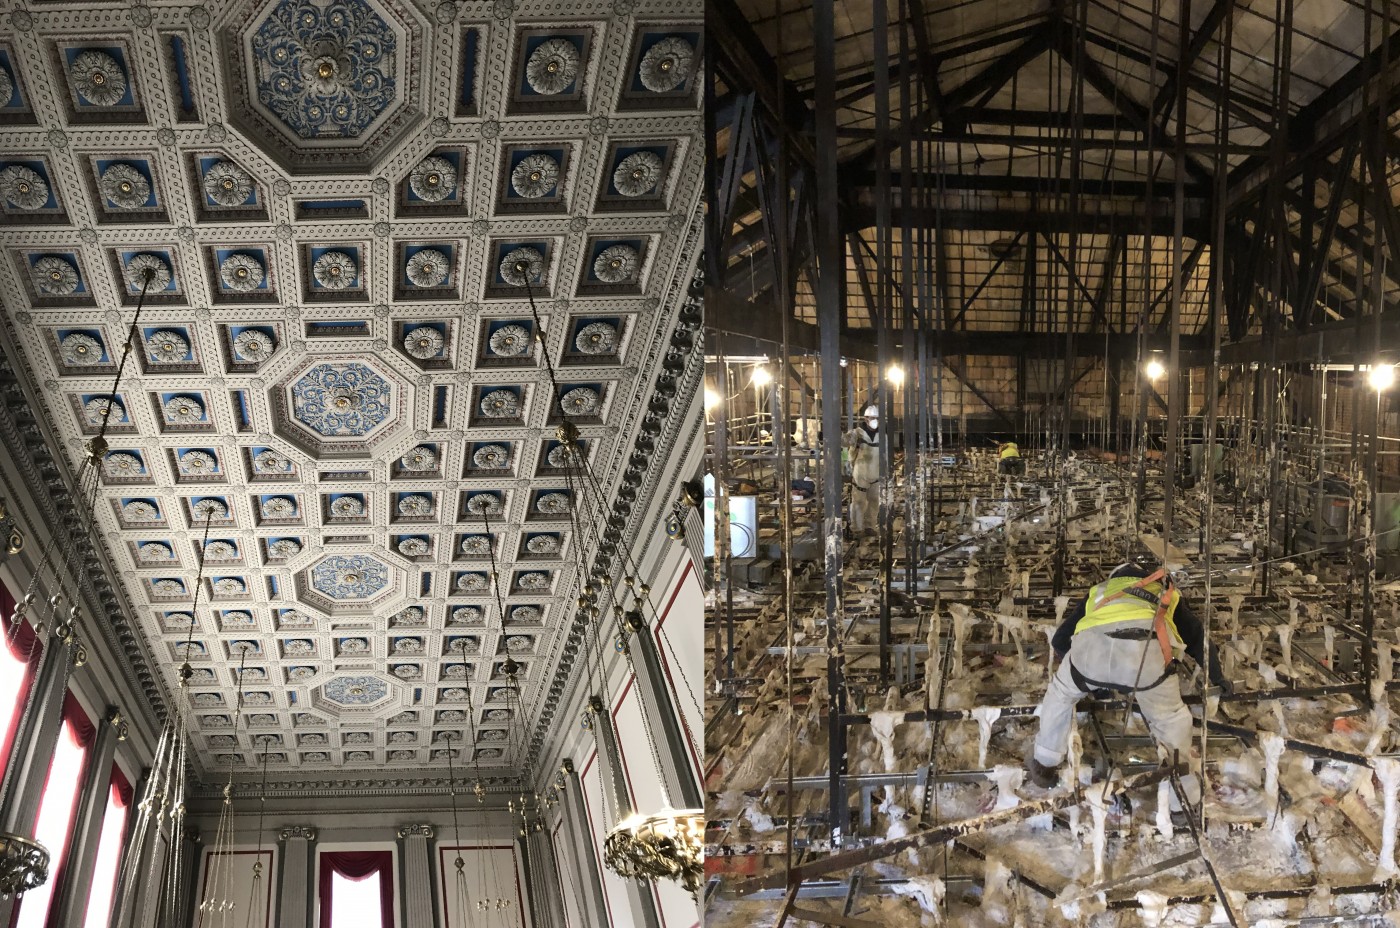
[666, 664]
[445, 872]
[204, 886]
[559, 870]
[595, 845]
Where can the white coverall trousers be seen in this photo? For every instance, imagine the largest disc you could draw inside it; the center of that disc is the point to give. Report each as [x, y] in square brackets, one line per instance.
[865, 483]
[865, 508]
[1100, 657]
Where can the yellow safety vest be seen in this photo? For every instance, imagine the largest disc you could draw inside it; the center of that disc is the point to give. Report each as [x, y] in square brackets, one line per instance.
[1009, 450]
[1126, 607]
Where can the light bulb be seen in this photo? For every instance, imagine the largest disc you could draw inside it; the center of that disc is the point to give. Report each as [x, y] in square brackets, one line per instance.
[1381, 377]
[1154, 369]
[895, 374]
[761, 376]
[712, 398]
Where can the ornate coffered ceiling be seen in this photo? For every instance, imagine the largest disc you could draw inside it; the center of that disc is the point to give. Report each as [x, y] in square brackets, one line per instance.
[334, 373]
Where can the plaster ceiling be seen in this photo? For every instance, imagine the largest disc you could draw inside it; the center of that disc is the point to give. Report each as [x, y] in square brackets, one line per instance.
[331, 363]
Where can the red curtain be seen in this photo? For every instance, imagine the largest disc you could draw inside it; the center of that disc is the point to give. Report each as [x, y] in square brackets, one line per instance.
[74, 714]
[357, 865]
[122, 784]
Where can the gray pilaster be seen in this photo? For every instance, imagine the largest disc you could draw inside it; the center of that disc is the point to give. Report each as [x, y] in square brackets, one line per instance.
[70, 907]
[193, 855]
[415, 855]
[36, 737]
[661, 710]
[121, 895]
[588, 881]
[639, 894]
[294, 894]
[141, 909]
[536, 917]
[550, 895]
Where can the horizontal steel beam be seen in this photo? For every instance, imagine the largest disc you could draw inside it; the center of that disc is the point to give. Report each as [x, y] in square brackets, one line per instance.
[1332, 342]
[859, 184]
[1130, 219]
[756, 328]
[930, 837]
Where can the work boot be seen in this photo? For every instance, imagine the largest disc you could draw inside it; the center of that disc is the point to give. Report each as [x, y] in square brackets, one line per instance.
[1041, 775]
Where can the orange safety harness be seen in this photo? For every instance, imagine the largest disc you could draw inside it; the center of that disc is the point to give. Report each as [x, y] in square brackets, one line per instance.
[1159, 619]
[1159, 627]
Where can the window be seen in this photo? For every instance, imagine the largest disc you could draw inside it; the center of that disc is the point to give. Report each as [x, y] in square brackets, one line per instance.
[109, 853]
[56, 810]
[356, 902]
[356, 889]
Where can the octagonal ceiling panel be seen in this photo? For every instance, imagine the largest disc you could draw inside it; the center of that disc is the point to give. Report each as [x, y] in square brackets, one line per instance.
[356, 696]
[328, 430]
[348, 584]
[340, 407]
[325, 84]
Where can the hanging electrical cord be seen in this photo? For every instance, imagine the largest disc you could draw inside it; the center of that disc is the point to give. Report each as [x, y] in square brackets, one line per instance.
[517, 713]
[221, 902]
[585, 490]
[1148, 284]
[256, 882]
[175, 890]
[520, 276]
[483, 504]
[458, 864]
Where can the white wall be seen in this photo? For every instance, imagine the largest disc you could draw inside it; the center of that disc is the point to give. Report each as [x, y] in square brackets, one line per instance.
[491, 870]
[229, 877]
[680, 639]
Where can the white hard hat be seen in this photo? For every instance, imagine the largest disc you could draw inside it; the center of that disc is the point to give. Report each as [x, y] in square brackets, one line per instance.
[872, 412]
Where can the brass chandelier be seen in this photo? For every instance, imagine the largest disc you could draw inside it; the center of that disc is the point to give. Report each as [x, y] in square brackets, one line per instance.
[24, 865]
[669, 844]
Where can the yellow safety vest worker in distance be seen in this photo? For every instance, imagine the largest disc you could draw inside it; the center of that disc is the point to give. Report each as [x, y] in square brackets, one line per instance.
[1114, 601]
[1009, 450]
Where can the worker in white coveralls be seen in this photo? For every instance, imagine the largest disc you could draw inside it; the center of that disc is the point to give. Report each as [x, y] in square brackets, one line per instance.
[1125, 637]
[864, 444]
